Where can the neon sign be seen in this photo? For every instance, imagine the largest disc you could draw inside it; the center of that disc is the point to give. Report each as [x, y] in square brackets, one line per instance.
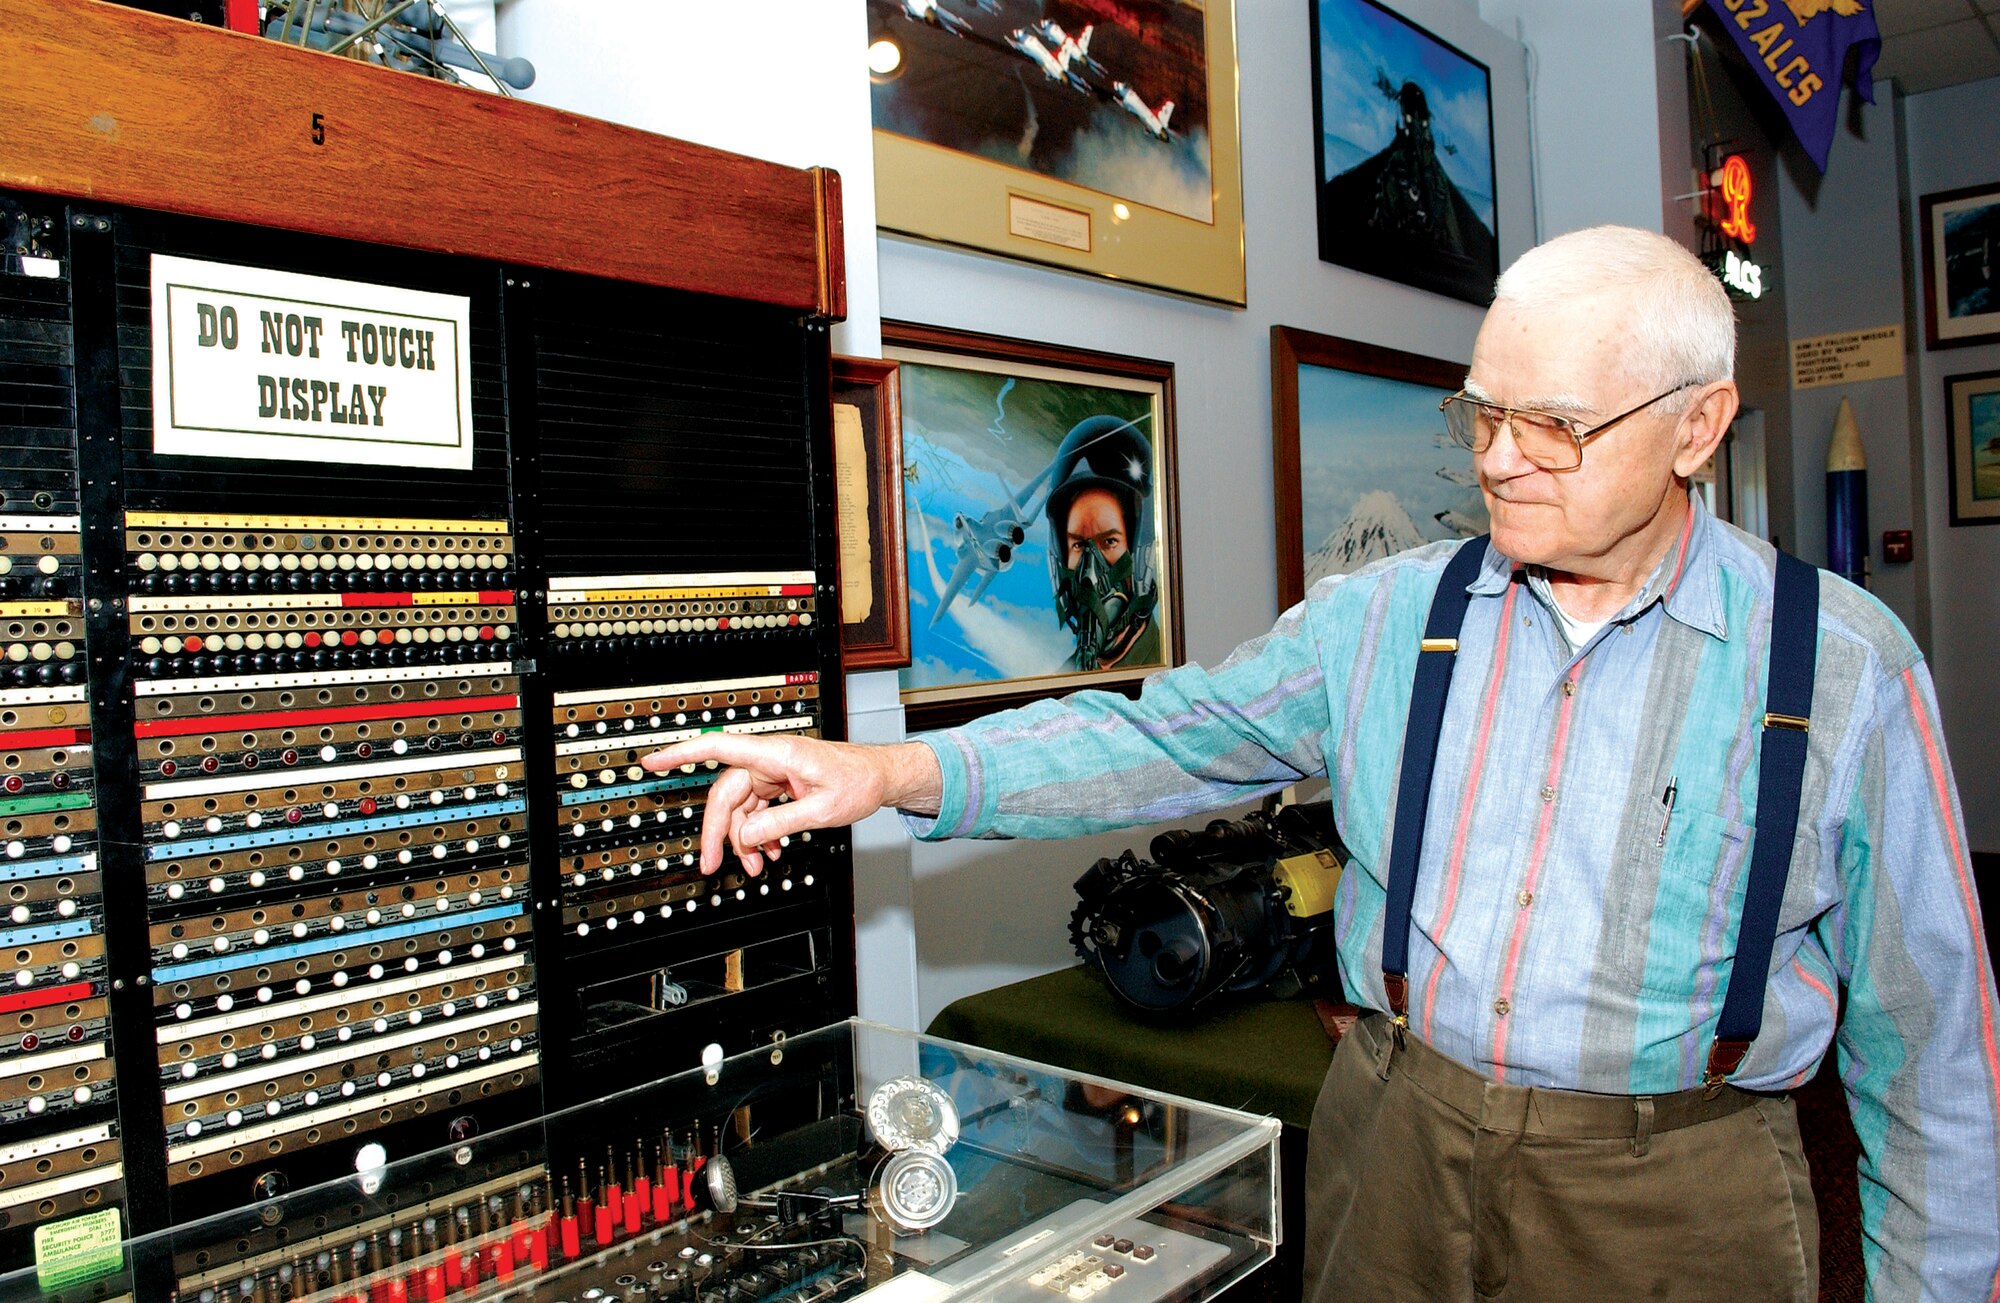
[1734, 181]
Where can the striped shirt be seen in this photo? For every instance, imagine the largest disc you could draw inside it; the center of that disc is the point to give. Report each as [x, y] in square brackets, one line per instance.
[1574, 928]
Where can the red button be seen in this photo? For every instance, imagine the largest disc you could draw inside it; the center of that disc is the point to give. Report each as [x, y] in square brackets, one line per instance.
[192, 643]
[367, 805]
[723, 623]
[312, 638]
[350, 637]
[486, 633]
[791, 619]
[293, 815]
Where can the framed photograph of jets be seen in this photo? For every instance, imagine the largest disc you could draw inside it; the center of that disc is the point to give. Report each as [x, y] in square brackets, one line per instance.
[1096, 135]
[1403, 131]
[1962, 266]
[868, 483]
[1364, 467]
[1041, 520]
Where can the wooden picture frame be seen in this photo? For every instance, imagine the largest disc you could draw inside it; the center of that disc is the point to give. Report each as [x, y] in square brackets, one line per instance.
[1390, 391]
[984, 418]
[1972, 440]
[879, 639]
[1014, 141]
[1384, 133]
[1961, 239]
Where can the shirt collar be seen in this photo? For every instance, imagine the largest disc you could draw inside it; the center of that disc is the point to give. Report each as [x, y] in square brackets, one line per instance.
[1686, 581]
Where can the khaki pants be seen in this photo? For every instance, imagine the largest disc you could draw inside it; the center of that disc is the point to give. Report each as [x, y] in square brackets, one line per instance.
[1427, 1183]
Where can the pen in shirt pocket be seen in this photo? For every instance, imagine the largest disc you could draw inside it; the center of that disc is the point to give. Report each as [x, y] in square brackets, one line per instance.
[1667, 815]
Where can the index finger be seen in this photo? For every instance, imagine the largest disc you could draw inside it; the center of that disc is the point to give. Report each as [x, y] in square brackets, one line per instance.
[727, 748]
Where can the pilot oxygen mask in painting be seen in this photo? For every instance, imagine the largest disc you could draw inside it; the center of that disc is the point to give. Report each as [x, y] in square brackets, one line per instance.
[1100, 542]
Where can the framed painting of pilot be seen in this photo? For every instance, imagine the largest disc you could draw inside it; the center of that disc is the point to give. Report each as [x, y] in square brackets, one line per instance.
[1403, 135]
[1040, 520]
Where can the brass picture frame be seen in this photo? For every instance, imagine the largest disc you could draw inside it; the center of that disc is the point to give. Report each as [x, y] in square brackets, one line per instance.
[880, 638]
[985, 420]
[1097, 210]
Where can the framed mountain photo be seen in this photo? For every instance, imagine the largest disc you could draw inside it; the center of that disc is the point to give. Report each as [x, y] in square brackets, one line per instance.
[1364, 467]
[1403, 134]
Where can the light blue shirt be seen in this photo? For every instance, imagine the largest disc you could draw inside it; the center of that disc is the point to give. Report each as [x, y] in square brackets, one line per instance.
[1572, 928]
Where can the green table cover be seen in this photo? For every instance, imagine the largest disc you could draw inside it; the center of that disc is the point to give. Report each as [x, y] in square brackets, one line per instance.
[1262, 1056]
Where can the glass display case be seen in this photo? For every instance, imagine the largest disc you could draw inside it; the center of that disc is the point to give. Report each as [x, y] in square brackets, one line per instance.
[856, 1161]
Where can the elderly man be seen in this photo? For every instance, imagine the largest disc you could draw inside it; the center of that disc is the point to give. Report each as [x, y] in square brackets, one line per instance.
[1555, 768]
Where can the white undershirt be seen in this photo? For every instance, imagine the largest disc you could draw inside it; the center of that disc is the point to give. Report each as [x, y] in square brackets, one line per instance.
[1577, 631]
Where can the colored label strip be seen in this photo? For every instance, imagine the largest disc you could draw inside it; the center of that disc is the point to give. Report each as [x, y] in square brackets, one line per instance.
[677, 783]
[341, 941]
[20, 870]
[188, 724]
[174, 850]
[45, 997]
[45, 737]
[34, 936]
[43, 804]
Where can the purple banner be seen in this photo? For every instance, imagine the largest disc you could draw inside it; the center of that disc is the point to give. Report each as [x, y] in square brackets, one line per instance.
[1798, 49]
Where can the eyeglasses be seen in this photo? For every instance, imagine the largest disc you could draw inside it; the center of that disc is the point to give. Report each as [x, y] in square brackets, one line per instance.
[1549, 441]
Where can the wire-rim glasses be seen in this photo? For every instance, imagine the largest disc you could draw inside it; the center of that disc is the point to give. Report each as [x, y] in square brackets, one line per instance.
[1547, 440]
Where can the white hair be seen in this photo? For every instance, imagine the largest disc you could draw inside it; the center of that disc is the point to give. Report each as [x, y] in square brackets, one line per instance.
[1681, 324]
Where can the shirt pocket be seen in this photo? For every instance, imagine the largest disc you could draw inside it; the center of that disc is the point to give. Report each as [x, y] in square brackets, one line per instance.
[1686, 905]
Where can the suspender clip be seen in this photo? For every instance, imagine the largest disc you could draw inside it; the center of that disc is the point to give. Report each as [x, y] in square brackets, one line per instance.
[1398, 987]
[1773, 719]
[1438, 645]
[1724, 1058]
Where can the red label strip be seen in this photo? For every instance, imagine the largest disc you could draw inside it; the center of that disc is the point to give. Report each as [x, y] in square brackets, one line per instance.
[331, 715]
[43, 998]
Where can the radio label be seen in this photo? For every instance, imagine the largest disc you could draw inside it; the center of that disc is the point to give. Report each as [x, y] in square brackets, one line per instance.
[249, 362]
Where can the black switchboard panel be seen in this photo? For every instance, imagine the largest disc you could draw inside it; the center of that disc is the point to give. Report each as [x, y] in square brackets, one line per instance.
[323, 822]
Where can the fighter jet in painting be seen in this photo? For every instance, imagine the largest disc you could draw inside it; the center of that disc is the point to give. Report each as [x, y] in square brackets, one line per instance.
[1025, 43]
[1153, 120]
[1072, 53]
[936, 15]
[985, 547]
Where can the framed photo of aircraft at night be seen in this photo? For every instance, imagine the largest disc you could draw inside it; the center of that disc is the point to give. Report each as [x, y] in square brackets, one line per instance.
[1096, 135]
[1041, 521]
[1403, 135]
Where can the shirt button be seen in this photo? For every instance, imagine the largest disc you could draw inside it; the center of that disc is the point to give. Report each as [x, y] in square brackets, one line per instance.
[1501, 1007]
[1525, 899]
[1569, 687]
[1548, 794]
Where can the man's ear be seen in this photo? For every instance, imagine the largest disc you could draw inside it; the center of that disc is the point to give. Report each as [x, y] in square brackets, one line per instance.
[1704, 425]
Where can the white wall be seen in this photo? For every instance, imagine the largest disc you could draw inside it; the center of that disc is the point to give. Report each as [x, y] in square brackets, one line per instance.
[1843, 270]
[979, 914]
[1954, 140]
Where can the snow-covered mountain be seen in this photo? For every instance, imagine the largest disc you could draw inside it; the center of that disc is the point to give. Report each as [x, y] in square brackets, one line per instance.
[1377, 527]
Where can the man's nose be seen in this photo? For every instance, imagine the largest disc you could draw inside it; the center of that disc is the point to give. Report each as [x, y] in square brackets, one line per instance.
[1502, 459]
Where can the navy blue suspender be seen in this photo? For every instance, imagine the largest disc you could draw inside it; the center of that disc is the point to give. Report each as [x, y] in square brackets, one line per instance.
[1420, 743]
[1780, 775]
